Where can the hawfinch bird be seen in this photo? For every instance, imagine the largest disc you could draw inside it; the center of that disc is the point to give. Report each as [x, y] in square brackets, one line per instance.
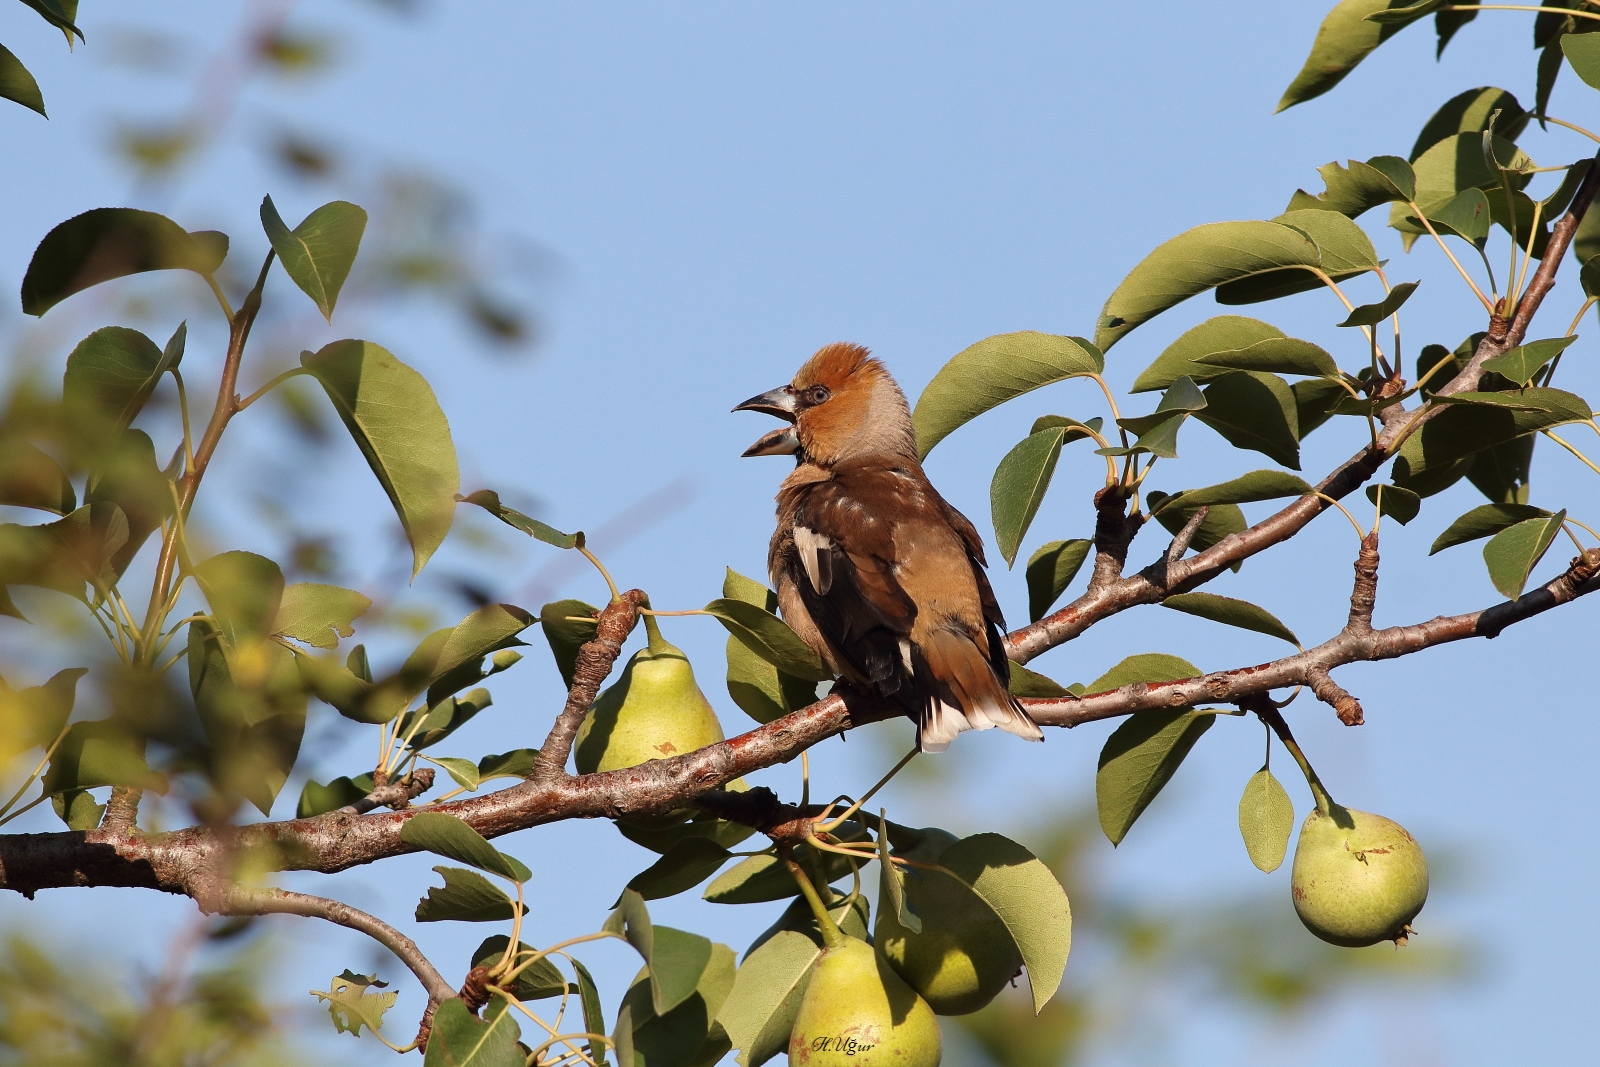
[873, 569]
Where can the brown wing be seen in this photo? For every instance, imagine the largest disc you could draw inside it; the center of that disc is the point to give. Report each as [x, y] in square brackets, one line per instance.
[994, 619]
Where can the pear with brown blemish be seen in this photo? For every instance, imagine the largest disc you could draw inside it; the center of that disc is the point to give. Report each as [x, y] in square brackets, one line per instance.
[1358, 878]
[655, 710]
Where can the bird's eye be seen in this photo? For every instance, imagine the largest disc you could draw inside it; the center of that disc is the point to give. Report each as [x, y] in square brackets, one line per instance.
[817, 394]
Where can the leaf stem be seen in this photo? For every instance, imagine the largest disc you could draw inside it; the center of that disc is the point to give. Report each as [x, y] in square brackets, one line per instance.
[1422, 218]
[1527, 256]
[1116, 416]
[1570, 126]
[1274, 720]
[833, 824]
[183, 407]
[1518, 7]
[23, 788]
[1359, 531]
[1584, 310]
[276, 381]
[592, 558]
[1585, 460]
[222, 298]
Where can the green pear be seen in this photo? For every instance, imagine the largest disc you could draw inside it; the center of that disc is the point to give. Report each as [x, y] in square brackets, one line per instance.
[857, 1011]
[964, 955]
[654, 711]
[1358, 878]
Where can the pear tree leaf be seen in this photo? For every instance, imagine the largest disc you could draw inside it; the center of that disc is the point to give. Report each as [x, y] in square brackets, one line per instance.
[1472, 112]
[1485, 520]
[995, 370]
[109, 377]
[1075, 430]
[112, 242]
[1344, 248]
[1028, 899]
[489, 501]
[396, 421]
[318, 799]
[1181, 398]
[1255, 411]
[64, 555]
[684, 866]
[17, 84]
[447, 836]
[1050, 570]
[1372, 314]
[1276, 355]
[1145, 667]
[318, 253]
[539, 980]
[676, 958]
[770, 638]
[461, 1039]
[763, 877]
[1186, 357]
[1521, 363]
[1019, 485]
[689, 1034]
[1231, 612]
[100, 753]
[1512, 553]
[352, 1005]
[1173, 514]
[518, 763]
[1025, 683]
[1402, 505]
[318, 614]
[32, 717]
[761, 690]
[1199, 259]
[1467, 215]
[462, 771]
[1581, 49]
[31, 478]
[1266, 819]
[568, 625]
[762, 1006]
[1256, 485]
[891, 883]
[1316, 400]
[1359, 187]
[1430, 459]
[1138, 759]
[594, 1019]
[1343, 40]
[466, 896]
[1452, 165]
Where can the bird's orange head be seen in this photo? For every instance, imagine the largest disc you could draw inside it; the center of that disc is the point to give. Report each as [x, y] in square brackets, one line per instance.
[843, 404]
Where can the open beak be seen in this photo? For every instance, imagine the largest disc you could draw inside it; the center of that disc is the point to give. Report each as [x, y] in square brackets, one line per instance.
[783, 441]
[780, 402]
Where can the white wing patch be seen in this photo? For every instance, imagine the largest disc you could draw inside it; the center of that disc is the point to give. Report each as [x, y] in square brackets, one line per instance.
[813, 549]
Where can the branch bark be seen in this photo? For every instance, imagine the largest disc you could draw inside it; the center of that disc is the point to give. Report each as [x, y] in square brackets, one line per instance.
[594, 663]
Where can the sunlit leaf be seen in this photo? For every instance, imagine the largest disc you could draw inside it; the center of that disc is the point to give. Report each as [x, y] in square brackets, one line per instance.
[1485, 520]
[1231, 612]
[352, 1004]
[1512, 553]
[466, 896]
[1359, 187]
[319, 614]
[1138, 759]
[1470, 112]
[1521, 363]
[1372, 314]
[1256, 485]
[461, 1039]
[1184, 358]
[489, 500]
[760, 1010]
[761, 690]
[1019, 485]
[1343, 40]
[684, 866]
[1266, 819]
[1277, 355]
[318, 253]
[1582, 51]
[447, 836]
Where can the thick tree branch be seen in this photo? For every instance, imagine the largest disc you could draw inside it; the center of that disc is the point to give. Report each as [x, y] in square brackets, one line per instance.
[594, 663]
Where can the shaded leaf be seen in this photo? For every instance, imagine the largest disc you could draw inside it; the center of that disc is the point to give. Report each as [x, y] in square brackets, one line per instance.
[1521, 363]
[1145, 667]
[1315, 402]
[1185, 356]
[761, 690]
[891, 883]
[1220, 521]
[447, 836]
[1255, 411]
[1343, 40]
[594, 1019]
[539, 980]
[1512, 553]
[466, 896]
[1372, 314]
[32, 717]
[1019, 485]
[1502, 471]
[1138, 759]
[396, 421]
[318, 799]
[1231, 612]
[568, 625]
[67, 554]
[351, 1004]
[1467, 215]
[1402, 505]
[461, 1039]
[1199, 259]
[993, 371]
[763, 877]
[1485, 520]
[688, 1035]
[770, 638]
[684, 866]
[111, 242]
[30, 478]
[109, 377]
[1026, 896]
[1452, 165]
[100, 753]
[489, 500]
[1256, 485]
[1470, 112]
[518, 763]
[1025, 683]
[17, 84]
[1277, 355]
[318, 614]
[676, 958]
[129, 477]
[318, 253]
[760, 1010]
[1266, 819]
[1431, 459]
[1050, 570]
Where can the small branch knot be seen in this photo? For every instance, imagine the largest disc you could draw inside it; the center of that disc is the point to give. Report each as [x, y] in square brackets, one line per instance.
[475, 990]
[1364, 596]
[1330, 692]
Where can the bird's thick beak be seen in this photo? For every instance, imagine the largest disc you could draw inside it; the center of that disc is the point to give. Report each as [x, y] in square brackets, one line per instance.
[783, 441]
[780, 402]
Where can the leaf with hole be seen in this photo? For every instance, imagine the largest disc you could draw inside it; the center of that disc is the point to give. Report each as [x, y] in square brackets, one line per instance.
[1512, 553]
[1050, 570]
[317, 254]
[108, 243]
[447, 836]
[1231, 612]
[352, 1005]
[1266, 819]
[993, 371]
[396, 421]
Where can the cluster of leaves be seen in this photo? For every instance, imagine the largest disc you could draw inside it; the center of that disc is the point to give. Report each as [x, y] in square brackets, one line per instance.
[17, 83]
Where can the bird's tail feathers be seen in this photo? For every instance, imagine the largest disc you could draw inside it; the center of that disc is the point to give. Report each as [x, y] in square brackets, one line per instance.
[960, 691]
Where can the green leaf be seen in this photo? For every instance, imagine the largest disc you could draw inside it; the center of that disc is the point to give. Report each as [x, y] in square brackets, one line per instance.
[1431, 459]
[851, 914]
[1451, 166]
[891, 883]
[30, 478]
[1220, 521]
[1501, 473]
[251, 703]
[17, 84]
[129, 476]
[1552, 402]
[396, 422]
[540, 980]
[1256, 485]
[1406, 15]
[1200, 259]
[594, 1019]
[684, 866]
[244, 591]
[1276, 355]
[763, 877]
[60, 14]
[1582, 51]
[318, 253]
[318, 799]
[1400, 504]
[1359, 187]
[1019, 485]
[1186, 356]
[466, 896]
[1589, 276]
[1139, 758]
[1025, 683]
[760, 1010]
[1076, 431]
[1266, 819]
[1343, 40]
[352, 1006]
[1512, 553]
[32, 717]
[1231, 612]
[110, 375]
[1521, 363]
[489, 500]
[66, 554]
[1467, 215]
[1145, 667]
[461, 1039]
[319, 614]
[1485, 520]
[676, 958]
[518, 763]
[1372, 314]
[447, 836]
[568, 625]
[995, 370]
[111, 242]
[761, 690]
[1255, 411]
[1343, 247]
[1181, 398]
[770, 638]
[1050, 570]
[1026, 896]
[462, 771]
[1471, 112]
[689, 1034]
[100, 753]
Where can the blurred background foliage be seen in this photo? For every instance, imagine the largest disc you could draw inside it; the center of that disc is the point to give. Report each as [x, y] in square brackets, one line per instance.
[212, 1000]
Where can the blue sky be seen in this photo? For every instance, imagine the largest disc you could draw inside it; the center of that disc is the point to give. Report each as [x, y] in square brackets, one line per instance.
[721, 188]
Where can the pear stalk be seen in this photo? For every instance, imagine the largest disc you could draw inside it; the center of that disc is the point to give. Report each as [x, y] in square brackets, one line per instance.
[1274, 720]
[832, 936]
